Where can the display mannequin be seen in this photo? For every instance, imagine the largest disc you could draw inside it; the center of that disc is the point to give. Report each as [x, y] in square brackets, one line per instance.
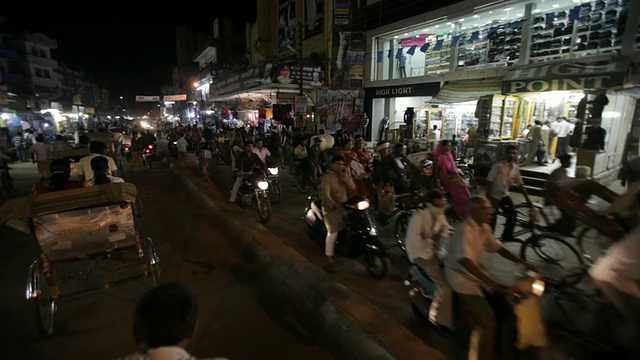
[409, 115]
[402, 65]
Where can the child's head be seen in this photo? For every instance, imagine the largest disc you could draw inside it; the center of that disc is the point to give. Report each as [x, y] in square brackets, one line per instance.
[165, 316]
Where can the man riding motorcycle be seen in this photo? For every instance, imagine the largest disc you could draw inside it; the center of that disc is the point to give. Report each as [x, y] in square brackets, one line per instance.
[245, 163]
[466, 277]
[333, 193]
[426, 227]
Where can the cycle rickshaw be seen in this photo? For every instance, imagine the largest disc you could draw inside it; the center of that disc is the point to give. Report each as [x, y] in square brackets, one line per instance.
[88, 240]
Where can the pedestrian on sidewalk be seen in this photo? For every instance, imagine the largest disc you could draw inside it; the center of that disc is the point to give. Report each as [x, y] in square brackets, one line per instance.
[39, 153]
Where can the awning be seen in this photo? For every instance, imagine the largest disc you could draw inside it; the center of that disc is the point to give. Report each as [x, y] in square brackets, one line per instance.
[604, 74]
[467, 90]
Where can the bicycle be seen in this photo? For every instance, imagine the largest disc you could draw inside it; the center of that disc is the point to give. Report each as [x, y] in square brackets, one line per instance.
[550, 252]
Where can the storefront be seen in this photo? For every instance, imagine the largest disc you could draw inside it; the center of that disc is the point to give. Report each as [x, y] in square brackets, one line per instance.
[264, 95]
[483, 34]
[401, 107]
[546, 92]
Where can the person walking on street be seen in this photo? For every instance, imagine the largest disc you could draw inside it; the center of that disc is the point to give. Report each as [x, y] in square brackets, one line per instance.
[333, 193]
[20, 145]
[183, 145]
[425, 230]
[136, 152]
[40, 151]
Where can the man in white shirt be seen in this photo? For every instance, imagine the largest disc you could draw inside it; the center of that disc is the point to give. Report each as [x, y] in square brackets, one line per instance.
[425, 228]
[183, 144]
[563, 129]
[262, 152]
[97, 148]
[434, 137]
[463, 269]
[503, 175]
[41, 152]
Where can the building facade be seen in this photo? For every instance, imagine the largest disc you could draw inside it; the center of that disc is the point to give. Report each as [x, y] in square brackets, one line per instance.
[501, 66]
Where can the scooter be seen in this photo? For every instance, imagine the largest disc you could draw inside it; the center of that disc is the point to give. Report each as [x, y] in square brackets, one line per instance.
[358, 238]
[126, 152]
[422, 290]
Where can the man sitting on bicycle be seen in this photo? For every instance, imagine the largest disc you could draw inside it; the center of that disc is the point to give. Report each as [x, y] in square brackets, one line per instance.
[570, 195]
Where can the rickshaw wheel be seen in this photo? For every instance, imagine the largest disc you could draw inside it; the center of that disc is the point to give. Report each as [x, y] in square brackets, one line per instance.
[45, 305]
[154, 259]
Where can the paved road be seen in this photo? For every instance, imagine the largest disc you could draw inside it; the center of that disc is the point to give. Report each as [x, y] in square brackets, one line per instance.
[233, 321]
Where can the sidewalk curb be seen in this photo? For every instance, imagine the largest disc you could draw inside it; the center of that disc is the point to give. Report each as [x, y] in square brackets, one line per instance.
[351, 325]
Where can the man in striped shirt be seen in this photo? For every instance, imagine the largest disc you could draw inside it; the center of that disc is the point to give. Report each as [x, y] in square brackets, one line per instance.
[19, 144]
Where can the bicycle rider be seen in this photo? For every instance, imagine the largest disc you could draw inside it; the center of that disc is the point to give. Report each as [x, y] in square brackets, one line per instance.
[505, 174]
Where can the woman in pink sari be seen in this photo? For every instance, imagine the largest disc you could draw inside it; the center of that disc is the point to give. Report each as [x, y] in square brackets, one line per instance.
[450, 179]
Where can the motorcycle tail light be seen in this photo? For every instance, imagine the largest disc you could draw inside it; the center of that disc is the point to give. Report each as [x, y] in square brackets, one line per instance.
[147, 151]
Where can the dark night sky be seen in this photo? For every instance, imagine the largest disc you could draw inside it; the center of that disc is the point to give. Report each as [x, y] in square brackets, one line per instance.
[132, 50]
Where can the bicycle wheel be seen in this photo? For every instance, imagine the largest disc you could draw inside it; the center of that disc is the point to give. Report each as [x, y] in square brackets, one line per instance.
[555, 258]
[592, 244]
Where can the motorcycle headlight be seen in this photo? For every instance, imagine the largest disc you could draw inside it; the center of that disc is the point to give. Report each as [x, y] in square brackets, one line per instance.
[373, 231]
[363, 205]
[274, 171]
[537, 287]
[263, 185]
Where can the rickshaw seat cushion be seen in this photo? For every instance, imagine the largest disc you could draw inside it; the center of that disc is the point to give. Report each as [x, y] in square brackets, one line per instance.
[85, 231]
[60, 201]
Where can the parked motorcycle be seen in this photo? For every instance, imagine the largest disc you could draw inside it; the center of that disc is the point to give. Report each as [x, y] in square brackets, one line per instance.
[147, 155]
[253, 193]
[274, 190]
[358, 238]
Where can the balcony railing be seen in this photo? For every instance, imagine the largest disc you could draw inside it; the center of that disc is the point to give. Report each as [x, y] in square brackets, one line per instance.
[45, 62]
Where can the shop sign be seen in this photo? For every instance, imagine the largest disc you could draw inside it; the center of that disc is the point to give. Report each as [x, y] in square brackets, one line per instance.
[283, 98]
[289, 73]
[246, 79]
[140, 98]
[174, 97]
[314, 18]
[347, 66]
[301, 104]
[341, 12]
[565, 76]
[424, 89]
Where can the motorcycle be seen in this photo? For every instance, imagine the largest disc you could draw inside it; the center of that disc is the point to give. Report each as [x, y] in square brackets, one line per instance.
[530, 285]
[274, 190]
[253, 193]
[126, 153]
[147, 155]
[358, 238]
